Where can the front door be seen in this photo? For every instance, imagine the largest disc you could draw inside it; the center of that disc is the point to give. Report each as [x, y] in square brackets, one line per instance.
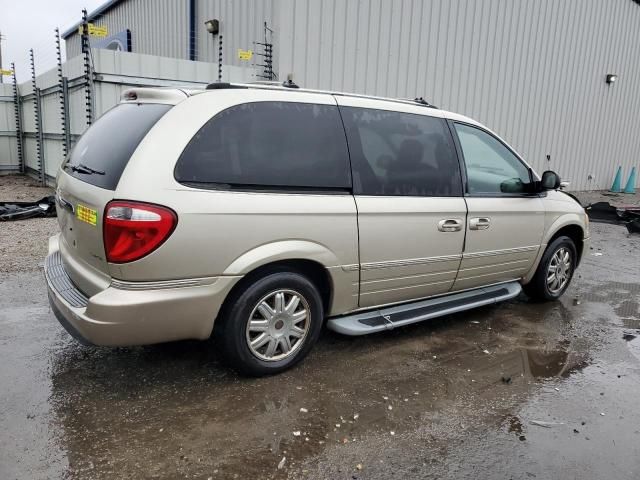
[408, 192]
[505, 222]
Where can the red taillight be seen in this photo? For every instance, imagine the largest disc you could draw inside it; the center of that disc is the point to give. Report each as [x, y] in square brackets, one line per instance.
[132, 230]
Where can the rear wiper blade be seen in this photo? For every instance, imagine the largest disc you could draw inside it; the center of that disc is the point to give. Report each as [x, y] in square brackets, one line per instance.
[81, 168]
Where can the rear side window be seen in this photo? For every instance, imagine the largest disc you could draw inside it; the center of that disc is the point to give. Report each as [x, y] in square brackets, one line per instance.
[401, 154]
[269, 144]
[103, 151]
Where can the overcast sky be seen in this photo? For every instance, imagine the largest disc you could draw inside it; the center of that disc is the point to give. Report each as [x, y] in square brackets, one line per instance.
[26, 24]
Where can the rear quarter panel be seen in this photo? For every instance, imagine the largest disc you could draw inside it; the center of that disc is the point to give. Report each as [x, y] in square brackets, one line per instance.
[232, 233]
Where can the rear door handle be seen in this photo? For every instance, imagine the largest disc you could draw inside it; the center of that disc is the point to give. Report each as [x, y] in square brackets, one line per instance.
[479, 223]
[450, 225]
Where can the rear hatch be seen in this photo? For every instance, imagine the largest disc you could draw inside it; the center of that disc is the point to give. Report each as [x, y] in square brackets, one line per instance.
[87, 182]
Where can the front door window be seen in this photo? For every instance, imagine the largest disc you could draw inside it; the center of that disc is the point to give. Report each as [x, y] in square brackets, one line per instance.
[491, 167]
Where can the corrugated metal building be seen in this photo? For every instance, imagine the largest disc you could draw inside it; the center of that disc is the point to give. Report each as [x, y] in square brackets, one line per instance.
[533, 71]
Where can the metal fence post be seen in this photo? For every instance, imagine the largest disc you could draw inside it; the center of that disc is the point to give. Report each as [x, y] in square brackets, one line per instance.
[66, 118]
[17, 103]
[64, 103]
[219, 58]
[37, 114]
[41, 152]
[88, 72]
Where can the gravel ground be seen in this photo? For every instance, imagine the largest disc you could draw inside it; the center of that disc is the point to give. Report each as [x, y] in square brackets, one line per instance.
[23, 243]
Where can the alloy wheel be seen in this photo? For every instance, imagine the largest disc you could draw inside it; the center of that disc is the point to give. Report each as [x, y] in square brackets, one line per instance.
[559, 271]
[278, 325]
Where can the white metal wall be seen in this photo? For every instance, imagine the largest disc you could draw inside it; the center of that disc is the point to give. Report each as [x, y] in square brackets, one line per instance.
[158, 27]
[161, 28]
[241, 24]
[533, 71]
[8, 141]
[51, 116]
[118, 71]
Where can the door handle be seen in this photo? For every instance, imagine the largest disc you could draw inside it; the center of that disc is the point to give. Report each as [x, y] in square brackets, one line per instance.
[64, 204]
[479, 223]
[450, 225]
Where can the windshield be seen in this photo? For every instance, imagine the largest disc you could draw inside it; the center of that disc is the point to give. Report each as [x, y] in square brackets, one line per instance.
[103, 151]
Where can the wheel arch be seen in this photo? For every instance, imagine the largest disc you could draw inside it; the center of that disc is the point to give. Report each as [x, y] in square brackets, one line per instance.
[567, 225]
[576, 233]
[312, 260]
[284, 250]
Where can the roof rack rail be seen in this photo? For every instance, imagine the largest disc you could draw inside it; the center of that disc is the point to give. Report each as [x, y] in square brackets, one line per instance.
[270, 83]
[223, 86]
[289, 83]
[422, 101]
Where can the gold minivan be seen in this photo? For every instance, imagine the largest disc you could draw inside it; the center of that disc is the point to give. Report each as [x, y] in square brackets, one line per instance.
[255, 213]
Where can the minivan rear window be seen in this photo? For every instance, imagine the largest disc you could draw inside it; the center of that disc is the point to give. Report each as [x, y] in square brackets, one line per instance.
[103, 151]
[269, 145]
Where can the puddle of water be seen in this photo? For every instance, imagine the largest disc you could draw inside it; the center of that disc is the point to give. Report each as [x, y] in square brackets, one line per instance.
[624, 296]
[634, 346]
[164, 397]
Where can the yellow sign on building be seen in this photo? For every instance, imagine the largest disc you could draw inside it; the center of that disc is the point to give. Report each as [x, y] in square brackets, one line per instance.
[95, 30]
[6, 72]
[245, 54]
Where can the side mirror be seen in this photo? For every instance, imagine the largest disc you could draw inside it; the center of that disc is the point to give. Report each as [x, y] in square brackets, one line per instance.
[550, 181]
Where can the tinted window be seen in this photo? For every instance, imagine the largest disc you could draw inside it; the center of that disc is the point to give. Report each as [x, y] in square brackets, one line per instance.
[491, 167]
[401, 154]
[277, 144]
[108, 144]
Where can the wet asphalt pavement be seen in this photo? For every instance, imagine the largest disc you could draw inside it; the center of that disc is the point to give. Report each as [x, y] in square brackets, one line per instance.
[454, 398]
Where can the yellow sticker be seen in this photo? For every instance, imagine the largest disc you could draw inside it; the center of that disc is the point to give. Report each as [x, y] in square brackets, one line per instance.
[86, 214]
[6, 72]
[95, 30]
[245, 54]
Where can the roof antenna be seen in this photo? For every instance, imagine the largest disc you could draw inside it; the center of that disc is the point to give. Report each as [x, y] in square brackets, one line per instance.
[289, 83]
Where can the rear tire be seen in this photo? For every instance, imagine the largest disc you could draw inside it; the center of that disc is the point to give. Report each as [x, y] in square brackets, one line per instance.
[555, 271]
[270, 324]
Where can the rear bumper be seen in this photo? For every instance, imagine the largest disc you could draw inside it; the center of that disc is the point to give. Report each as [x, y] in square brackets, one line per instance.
[134, 314]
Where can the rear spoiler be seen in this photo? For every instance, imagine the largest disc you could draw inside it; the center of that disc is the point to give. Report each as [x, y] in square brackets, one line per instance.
[168, 96]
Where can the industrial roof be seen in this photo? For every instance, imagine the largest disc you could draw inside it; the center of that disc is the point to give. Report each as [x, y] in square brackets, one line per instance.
[105, 7]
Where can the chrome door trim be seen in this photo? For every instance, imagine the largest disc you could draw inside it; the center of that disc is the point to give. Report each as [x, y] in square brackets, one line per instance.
[505, 251]
[409, 262]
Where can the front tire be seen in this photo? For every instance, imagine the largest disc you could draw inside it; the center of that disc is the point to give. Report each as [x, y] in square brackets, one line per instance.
[555, 271]
[271, 324]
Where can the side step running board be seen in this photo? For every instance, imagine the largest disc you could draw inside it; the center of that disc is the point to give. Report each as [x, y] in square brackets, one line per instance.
[396, 316]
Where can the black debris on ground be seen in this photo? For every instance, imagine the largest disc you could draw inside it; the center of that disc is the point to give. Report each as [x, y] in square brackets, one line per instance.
[604, 212]
[45, 207]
